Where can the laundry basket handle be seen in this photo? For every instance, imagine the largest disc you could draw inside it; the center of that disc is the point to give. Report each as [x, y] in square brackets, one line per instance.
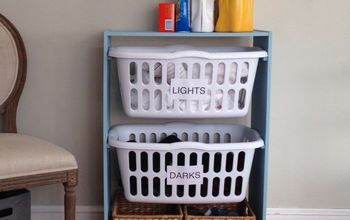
[185, 145]
[192, 53]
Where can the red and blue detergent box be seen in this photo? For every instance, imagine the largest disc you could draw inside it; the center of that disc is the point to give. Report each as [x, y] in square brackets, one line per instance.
[166, 17]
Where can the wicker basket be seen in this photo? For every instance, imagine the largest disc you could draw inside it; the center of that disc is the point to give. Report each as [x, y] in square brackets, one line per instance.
[125, 210]
[243, 207]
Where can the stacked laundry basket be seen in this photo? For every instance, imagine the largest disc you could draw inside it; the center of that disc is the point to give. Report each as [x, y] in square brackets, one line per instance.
[178, 162]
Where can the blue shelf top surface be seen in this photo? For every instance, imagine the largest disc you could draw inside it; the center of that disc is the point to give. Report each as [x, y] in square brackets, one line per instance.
[256, 33]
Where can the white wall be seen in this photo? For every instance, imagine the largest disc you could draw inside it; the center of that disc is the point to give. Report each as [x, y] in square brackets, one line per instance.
[310, 120]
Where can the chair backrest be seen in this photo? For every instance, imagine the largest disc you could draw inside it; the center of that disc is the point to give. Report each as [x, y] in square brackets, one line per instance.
[13, 67]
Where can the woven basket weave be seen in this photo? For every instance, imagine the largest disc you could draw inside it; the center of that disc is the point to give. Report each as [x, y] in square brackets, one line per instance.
[243, 207]
[125, 210]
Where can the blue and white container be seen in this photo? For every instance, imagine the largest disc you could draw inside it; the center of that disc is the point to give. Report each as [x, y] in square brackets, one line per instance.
[183, 17]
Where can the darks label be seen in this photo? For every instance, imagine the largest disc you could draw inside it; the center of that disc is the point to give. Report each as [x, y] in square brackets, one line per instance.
[184, 175]
[190, 89]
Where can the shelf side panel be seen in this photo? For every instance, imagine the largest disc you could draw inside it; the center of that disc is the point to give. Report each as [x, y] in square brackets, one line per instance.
[106, 126]
[260, 121]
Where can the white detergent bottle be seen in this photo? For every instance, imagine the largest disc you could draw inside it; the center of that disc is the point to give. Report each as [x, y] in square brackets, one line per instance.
[202, 15]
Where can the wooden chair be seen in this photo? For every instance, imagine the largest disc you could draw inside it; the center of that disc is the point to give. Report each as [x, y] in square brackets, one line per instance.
[26, 161]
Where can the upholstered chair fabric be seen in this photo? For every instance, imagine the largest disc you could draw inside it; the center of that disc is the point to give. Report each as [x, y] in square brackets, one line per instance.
[8, 63]
[22, 155]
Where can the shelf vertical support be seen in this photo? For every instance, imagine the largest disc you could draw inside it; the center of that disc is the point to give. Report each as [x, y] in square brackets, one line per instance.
[260, 119]
[106, 126]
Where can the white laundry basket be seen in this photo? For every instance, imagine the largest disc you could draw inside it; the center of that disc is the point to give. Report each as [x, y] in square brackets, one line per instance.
[212, 164]
[185, 81]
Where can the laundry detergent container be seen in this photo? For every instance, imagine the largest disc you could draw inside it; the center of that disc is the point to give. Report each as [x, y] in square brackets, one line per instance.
[186, 81]
[210, 164]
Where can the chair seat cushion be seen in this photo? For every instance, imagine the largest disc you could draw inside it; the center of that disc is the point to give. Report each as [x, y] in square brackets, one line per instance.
[22, 155]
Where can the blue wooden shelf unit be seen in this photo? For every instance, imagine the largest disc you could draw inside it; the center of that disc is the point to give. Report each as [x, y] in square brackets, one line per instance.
[259, 114]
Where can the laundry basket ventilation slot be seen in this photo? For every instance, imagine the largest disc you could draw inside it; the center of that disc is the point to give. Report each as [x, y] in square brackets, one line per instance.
[150, 165]
[163, 82]
[211, 163]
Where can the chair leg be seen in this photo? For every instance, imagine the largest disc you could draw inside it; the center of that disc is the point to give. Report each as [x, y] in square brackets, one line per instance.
[70, 195]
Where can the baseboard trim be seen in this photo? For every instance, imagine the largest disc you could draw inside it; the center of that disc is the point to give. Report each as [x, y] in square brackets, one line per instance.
[96, 213]
[307, 214]
[57, 213]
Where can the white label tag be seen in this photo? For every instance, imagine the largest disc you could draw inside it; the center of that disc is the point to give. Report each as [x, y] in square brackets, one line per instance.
[189, 89]
[184, 175]
[168, 24]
